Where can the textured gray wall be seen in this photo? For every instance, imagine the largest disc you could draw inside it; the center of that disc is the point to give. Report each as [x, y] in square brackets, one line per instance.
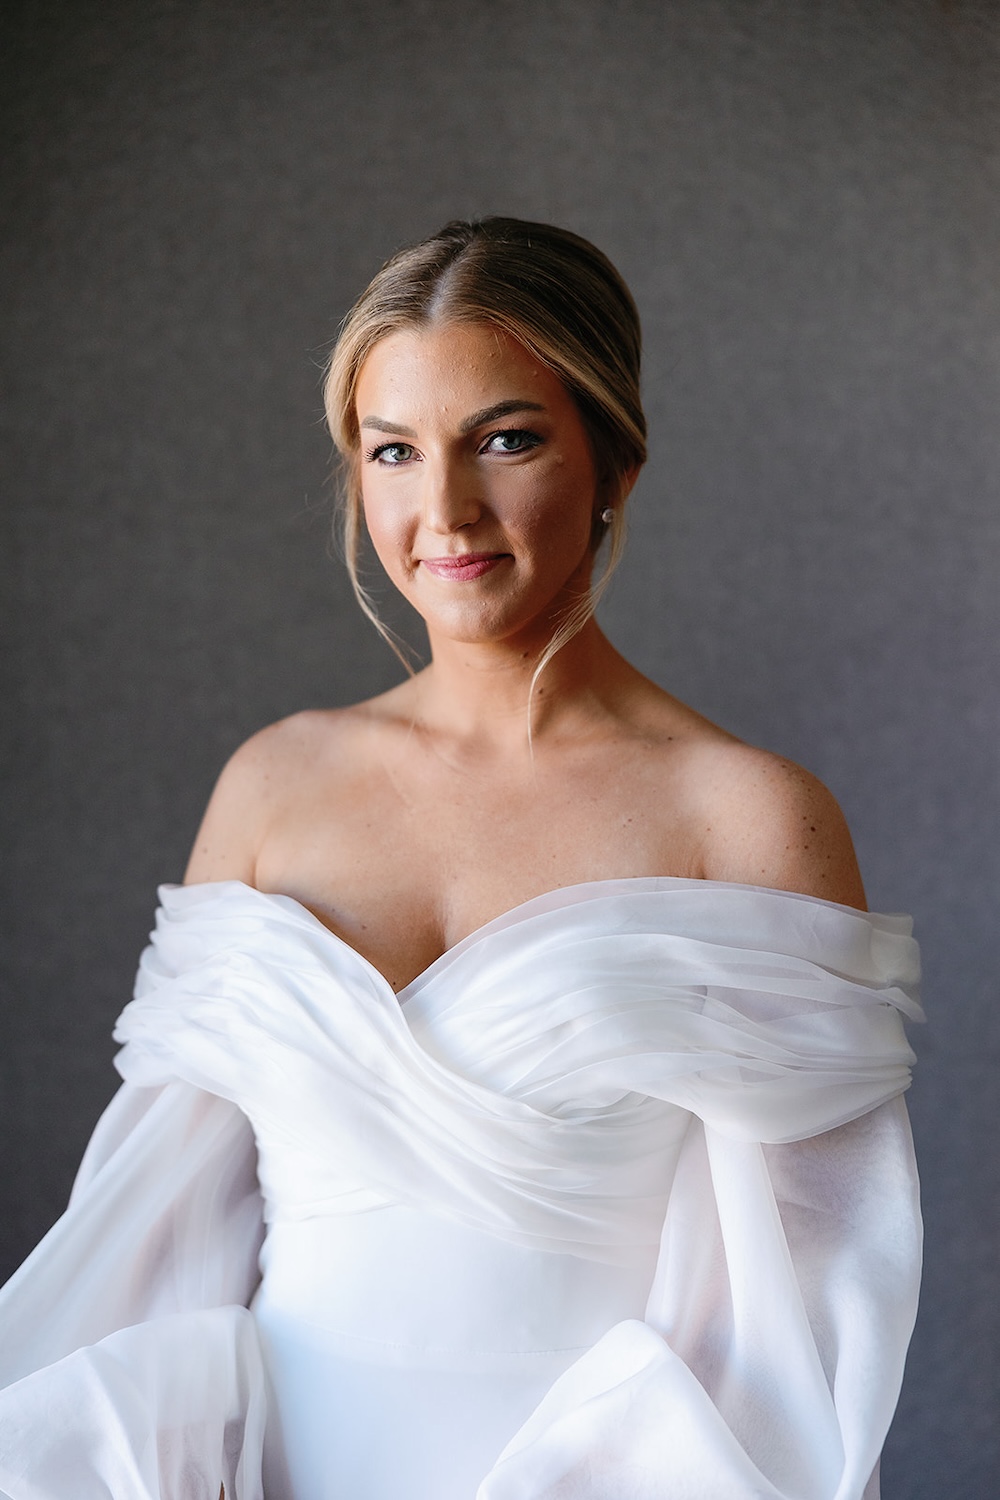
[805, 199]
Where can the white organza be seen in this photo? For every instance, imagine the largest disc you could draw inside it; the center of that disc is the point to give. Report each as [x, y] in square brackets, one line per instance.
[622, 1185]
[162, 1232]
[168, 1409]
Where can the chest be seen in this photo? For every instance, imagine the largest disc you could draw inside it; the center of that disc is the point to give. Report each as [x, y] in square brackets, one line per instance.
[403, 868]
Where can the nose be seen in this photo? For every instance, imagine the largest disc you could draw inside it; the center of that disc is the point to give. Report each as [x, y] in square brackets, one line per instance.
[449, 497]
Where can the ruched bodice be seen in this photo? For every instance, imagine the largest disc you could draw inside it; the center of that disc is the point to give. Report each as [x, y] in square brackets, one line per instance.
[530, 1082]
[629, 1150]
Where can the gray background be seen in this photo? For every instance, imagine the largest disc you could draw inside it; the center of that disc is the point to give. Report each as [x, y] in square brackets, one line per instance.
[805, 199]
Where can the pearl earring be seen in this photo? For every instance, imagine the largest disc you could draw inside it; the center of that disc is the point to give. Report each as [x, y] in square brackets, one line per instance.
[607, 515]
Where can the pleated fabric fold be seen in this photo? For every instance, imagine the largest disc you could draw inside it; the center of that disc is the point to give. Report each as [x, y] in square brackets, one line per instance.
[526, 1083]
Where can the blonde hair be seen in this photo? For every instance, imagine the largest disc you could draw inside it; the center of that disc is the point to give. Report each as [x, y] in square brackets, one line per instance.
[557, 295]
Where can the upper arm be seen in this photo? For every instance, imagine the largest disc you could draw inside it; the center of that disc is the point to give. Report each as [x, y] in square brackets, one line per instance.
[774, 824]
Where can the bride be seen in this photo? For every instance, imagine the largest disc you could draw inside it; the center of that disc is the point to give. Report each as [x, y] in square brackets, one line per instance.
[513, 1089]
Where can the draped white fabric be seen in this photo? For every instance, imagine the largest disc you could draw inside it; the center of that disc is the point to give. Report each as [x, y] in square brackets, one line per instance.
[624, 1179]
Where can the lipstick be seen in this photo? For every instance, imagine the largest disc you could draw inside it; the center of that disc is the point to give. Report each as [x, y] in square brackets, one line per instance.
[464, 565]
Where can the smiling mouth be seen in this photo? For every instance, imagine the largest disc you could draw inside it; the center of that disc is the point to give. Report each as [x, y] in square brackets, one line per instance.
[465, 565]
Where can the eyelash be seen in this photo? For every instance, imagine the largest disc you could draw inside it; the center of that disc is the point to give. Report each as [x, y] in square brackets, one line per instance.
[372, 455]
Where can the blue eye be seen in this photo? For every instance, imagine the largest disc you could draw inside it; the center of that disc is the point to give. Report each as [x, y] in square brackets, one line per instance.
[511, 440]
[391, 453]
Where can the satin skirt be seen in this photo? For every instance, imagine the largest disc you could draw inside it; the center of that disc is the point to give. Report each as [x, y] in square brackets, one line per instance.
[403, 1351]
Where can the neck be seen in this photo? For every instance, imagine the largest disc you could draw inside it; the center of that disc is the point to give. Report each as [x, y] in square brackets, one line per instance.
[478, 693]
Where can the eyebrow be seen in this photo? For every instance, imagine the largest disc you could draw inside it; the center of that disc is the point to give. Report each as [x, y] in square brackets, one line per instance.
[488, 414]
[493, 413]
[381, 425]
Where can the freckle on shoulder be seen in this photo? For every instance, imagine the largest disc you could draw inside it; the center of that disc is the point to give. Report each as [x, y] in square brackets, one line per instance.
[773, 823]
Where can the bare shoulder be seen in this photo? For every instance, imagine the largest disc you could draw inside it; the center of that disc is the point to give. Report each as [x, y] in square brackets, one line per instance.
[258, 782]
[769, 822]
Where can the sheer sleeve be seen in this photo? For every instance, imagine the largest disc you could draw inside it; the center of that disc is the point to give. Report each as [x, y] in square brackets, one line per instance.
[771, 1355]
[128, 1357]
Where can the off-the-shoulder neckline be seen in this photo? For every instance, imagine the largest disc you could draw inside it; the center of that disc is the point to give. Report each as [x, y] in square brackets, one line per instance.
[558, 898]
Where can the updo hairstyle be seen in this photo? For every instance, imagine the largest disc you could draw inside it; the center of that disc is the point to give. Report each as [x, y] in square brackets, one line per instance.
[558, 296]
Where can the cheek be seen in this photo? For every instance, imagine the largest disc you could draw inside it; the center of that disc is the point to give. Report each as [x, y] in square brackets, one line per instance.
[386, 527]
[557, 514]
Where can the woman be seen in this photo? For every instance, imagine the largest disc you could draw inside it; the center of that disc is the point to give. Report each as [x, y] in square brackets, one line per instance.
[545, 1014]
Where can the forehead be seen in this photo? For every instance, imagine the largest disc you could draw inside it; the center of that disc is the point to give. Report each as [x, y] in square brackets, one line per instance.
[452, 368]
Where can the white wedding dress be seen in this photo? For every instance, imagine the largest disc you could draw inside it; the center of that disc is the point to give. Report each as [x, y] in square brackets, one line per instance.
[616, 1201]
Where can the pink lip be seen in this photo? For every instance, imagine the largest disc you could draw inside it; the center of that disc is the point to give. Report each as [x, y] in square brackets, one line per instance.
[465, 565]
